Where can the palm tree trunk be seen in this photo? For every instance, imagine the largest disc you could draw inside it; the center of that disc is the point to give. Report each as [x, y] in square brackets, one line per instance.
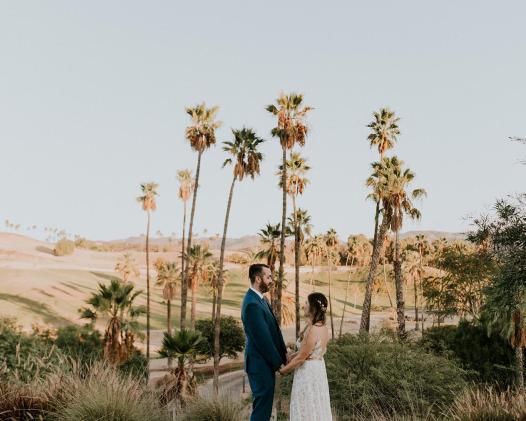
[519, 366]
[296, 266]
[386, 287]
[169, 317]
[148, 290]
[366, 309]
[376, 218]
[184, 284]
[400, 302]
[346, 292]
[279, 286]
[214, 299]
[217, 321]
[182, 263]
[193, 311]
[415, 285]
[329, 262]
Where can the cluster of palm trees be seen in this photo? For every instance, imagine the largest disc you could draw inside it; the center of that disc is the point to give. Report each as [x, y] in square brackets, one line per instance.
[389, 183]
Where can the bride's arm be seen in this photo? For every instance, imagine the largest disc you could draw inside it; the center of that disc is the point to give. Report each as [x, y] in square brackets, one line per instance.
[307, 346]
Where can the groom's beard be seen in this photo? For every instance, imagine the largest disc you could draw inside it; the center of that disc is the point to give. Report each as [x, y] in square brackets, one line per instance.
[264, 288]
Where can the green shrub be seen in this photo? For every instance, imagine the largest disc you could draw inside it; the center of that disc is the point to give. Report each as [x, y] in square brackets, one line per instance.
[64, 247]
[232, 337]
[25, 356]
[370, 375]
[490, 359]
[221, 408]
[81, 343]
[136, 365]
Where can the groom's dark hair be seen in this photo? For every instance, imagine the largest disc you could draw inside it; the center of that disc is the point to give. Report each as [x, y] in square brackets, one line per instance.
[255, 270]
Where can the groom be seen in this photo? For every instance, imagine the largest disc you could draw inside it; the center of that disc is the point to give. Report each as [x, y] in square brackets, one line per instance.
[265, 350]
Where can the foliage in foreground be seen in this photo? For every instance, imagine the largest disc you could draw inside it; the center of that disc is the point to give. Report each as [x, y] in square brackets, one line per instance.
[220, 408]
[73, 392]
[371, 375]
[488, 405]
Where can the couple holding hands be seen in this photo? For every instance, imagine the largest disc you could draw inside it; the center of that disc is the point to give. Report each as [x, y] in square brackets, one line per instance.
[266, 353]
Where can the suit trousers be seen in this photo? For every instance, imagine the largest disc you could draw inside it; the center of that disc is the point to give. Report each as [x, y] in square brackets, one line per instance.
[262, 384]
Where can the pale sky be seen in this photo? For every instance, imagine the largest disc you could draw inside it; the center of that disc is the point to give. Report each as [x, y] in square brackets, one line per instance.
[92, 98]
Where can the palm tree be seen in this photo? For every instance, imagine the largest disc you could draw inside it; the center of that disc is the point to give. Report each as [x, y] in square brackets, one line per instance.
[201, 135]
[400, 202]
[294, 185]
[331, 242]
[301, 226]
[198, 260]
[378, 183]
[245, 159]
[423, 249]
[314, 250]
[186, 187]
[147, 200]
[353, 251]
[180, 383]
[268, 237]
[115, 302]
[168, 276]
[290, 130]
[127, 267]
[384, 132]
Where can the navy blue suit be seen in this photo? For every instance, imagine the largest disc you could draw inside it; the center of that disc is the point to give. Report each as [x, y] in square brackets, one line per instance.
[265, 352]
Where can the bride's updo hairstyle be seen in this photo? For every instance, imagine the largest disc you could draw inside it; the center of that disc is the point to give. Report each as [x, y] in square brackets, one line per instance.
[317, 307]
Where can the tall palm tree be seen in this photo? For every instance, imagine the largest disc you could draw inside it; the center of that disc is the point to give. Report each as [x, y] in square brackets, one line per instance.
[295, 183]
[384, 132]
[116, 303]
[186, 187]
[269, 237]
[291, 129]
[378, 183]
[245, 159]
[201, 135]
[301, 226]
[198, 260]
[168, 276]
[331, 242]
[149, 204]
[127, 267]
[399, 200]
[180, 384]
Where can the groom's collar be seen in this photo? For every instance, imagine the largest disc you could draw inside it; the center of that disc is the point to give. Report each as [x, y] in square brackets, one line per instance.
[260, 295]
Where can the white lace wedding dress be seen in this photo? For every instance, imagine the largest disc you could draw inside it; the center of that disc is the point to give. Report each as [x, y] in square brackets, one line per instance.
[309, 399]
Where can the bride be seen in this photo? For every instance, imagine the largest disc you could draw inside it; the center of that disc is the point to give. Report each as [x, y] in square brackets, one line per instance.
[309, 398]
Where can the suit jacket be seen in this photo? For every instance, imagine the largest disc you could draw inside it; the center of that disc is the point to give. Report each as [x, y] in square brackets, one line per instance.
[265, 348]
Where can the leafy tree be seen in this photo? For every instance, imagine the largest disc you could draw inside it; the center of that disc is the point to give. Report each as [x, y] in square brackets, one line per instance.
[458, 289]
[231, 337]
[127, 267]
[504, 236]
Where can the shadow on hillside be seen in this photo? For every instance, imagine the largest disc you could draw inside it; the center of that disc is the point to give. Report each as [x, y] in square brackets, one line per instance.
[44, 292]
[106, 276]
[46, 250]
[32, 306]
